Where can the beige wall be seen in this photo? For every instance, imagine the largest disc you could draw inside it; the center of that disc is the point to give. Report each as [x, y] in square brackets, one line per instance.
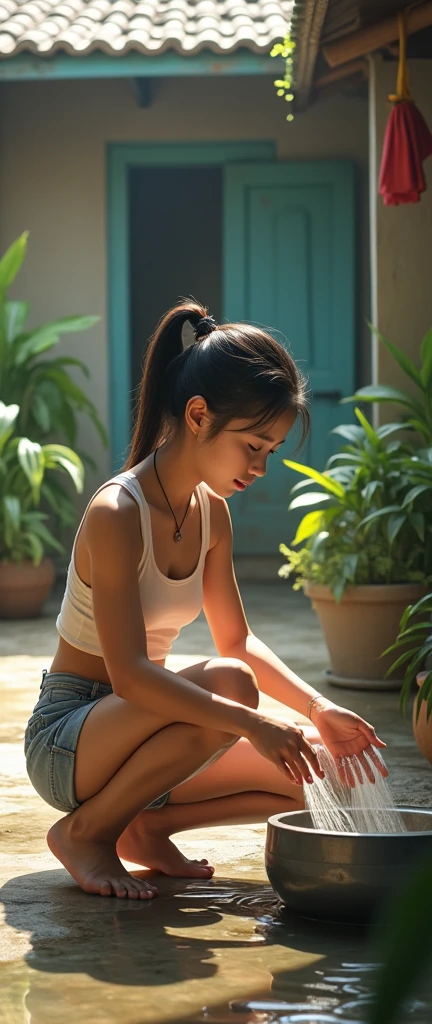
[52, 174]
[403, 236]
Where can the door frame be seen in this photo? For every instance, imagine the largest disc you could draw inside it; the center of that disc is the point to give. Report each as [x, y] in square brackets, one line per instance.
[119, 159]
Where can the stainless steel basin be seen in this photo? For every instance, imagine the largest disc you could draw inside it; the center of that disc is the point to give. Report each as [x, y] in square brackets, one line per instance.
[342, 876]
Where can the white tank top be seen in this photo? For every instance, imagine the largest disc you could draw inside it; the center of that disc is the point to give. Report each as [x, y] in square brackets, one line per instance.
[167, 605]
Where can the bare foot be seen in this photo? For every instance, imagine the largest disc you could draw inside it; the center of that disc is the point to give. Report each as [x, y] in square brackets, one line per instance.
[154, 849]
[95, 865]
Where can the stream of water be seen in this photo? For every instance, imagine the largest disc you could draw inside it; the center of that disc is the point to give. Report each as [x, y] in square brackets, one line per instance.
[367, 807]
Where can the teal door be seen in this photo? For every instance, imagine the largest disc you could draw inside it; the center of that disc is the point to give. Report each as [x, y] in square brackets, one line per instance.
[289, 266]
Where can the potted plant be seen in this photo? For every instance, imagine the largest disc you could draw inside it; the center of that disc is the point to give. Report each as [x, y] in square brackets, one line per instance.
[415, 639]
[26, 572]
[367, 548]
[48, 398]
[416, 404]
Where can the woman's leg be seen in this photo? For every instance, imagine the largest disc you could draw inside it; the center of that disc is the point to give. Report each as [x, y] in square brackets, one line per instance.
[242, 787]
[124, 759]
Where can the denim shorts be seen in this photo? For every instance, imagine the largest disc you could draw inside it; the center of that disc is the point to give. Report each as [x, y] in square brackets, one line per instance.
[52, 732]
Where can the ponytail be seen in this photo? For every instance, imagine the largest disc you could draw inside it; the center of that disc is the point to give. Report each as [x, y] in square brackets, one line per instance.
[153, 420]
[240, 370]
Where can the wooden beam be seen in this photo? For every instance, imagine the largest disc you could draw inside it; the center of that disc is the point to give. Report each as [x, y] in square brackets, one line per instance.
[369, 39]
[338, 74]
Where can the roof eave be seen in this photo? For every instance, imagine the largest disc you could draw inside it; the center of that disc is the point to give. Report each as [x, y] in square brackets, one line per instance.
[307, 22]
[32, 67]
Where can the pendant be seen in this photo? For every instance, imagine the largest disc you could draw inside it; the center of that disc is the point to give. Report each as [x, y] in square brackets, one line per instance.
[177, 535]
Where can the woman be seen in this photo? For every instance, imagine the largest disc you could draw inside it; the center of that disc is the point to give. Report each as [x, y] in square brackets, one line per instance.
[132, 751]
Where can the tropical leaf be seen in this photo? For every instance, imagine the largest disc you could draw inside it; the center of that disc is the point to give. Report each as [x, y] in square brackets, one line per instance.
[40, 530]
[70, 390]
[310, 524]
[60, 455]
[338, 589]
[72, 324]
[370, 489]
[368, 429]
[34, 547]
[421, 426]
[318, 542]
[48, 334]
[8, 415]
[350, 431]
[414, 493]
[380, 393]
[58, 501]
[15, 317]
[32, 462]
[424, 693]
[68, 361]
[402, 359]
[388, 428]
[12, 517]
[320, 478]
[310, 498]
[29, 347]
[12, 260]
[378, 513]
[424, 604]
[426, 358]
[401, 660]
[417, 521]
[41, 413]
[394, 525]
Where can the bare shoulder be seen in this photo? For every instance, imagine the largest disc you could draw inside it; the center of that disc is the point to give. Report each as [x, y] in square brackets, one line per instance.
[113, 521]
[220, 519]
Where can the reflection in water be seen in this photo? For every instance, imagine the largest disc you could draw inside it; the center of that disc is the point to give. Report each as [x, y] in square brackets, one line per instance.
[232, 942]
[339, 995]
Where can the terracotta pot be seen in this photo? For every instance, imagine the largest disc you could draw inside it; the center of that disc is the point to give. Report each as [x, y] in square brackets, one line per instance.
[24, 588]
[423, 728]
[359, 628]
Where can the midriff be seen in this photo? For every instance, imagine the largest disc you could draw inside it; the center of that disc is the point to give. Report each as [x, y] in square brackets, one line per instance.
[79, 663]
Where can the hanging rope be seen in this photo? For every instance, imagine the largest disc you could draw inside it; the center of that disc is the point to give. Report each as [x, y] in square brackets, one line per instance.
[402, 86]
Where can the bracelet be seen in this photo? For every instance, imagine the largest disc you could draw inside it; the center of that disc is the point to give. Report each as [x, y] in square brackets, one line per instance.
[310, 704]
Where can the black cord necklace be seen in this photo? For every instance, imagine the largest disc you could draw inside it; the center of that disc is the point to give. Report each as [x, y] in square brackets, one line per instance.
[178, 534]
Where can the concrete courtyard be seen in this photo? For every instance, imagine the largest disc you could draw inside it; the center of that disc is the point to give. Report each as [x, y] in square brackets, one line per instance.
[67, 956]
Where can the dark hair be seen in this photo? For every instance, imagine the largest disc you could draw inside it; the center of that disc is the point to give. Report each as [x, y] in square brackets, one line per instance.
[240, 370]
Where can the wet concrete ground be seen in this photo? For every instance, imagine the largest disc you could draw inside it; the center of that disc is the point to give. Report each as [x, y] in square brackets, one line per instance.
[202, 952]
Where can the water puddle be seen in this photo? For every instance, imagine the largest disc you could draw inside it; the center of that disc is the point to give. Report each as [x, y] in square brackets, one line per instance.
[339, 990]
[219, 952]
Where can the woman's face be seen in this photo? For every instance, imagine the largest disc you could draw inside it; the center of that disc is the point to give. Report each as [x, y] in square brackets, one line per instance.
[238, 455]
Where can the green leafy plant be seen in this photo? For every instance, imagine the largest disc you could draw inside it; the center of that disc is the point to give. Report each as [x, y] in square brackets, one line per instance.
[283, 85]
[415, 639]
[26, 474]
[416, 506]
[47, 397]
[404, 947]
[371, 521]
[417, 407]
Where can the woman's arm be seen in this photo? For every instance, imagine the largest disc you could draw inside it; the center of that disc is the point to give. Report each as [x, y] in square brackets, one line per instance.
[232, 636]
[114, 543]
[343, 732]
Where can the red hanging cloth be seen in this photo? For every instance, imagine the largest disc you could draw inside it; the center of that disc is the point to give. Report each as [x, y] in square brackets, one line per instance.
[407, 141]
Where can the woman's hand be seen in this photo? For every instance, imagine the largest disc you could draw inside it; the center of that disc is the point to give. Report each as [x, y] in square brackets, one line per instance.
[286, 746]
[344, 734]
